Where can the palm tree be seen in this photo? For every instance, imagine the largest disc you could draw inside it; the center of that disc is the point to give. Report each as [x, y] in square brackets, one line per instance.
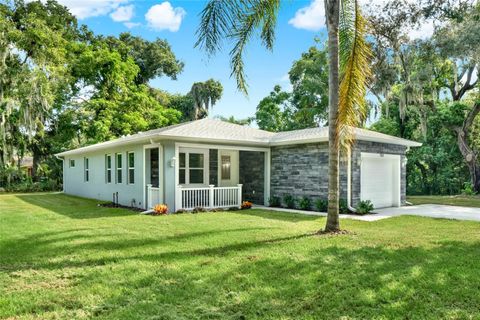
[205, 95]
[238, 20]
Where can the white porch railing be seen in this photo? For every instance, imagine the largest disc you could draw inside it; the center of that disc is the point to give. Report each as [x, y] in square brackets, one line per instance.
[153, 196]
[188, 198]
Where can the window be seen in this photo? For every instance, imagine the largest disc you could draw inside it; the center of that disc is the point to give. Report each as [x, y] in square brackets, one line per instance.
[131, 168]
[108, 168]
[118, 166]
[226, 164]
[86, 169]
[192, 167]
[72, 163]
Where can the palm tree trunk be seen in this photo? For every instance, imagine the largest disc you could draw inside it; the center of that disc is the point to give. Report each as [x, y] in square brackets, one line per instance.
[332, 10]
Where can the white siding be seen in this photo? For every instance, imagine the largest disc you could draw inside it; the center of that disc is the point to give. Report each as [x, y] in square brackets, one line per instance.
[96, 187]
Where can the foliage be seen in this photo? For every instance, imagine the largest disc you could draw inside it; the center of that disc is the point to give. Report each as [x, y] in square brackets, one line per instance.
[321, 205]
[305, 203]
[274, 201]
[468, 189]
[289, 201]
[232, 119]
[364, 207]
[199, 210]
[273, 259]
[426, 89]
[307, 105]
[204, 95]
[343, 206]
[160, 209]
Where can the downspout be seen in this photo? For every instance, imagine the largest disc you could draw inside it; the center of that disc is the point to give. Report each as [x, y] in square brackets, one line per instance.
[63, 172]
[405, 164]
[349, 180]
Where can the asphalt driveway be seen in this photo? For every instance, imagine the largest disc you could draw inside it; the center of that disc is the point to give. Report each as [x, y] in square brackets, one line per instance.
[429, 210]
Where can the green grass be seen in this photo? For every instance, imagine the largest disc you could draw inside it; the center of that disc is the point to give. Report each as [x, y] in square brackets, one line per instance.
[63, 257]
[460, 200]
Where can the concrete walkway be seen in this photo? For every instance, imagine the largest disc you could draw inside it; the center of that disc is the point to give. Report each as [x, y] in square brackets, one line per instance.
[424, 210]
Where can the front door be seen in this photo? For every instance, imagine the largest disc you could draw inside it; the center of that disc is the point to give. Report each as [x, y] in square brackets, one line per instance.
[228, 168]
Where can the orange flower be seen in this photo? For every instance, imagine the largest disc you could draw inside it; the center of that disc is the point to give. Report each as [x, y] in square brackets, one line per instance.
[246, 205]
[160, 209]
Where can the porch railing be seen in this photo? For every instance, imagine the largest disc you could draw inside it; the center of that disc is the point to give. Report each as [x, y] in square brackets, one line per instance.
[153, 196]
[188, 198]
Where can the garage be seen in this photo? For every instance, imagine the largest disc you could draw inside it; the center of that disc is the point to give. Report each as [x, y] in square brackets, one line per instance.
[380, 179]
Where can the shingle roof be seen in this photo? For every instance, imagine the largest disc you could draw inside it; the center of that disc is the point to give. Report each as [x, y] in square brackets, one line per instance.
[216, 131]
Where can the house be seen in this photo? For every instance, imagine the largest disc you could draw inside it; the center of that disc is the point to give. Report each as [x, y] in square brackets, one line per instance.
[211, 163]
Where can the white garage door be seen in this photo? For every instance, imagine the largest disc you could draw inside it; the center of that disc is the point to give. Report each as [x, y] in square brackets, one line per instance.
[380, 179]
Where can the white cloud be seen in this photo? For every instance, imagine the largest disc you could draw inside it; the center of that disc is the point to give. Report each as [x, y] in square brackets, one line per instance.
[311, 17]
[131, 25]
[83, 9]
[164, 17]
[122, 14]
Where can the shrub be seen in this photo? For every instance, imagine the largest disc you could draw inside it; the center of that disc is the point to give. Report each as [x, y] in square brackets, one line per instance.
[199, 209]
[274, 201]
[233, 209]
[343, 206]
[364, 207]
[468, 189]
[321, 205]
[160, 209]
[289, 201]
[246, 205]
[180, 211]
[305, 203]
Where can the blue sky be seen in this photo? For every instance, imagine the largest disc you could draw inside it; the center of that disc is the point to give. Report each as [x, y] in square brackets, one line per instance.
[300, 21]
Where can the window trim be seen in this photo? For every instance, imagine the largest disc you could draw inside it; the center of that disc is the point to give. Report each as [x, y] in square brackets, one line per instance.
[130, 168]
[107, 169]
[86, 169]
[117, 168]
[187, 168]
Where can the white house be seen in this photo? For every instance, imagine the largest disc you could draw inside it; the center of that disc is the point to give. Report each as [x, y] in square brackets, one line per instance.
[211, 163]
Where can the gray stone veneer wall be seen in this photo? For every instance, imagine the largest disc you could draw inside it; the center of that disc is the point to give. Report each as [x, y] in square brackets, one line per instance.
[252, 175]
[376, 147]
[302, 170]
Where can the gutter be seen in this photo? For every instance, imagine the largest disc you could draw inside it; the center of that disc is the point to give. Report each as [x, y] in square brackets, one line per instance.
[349, 180]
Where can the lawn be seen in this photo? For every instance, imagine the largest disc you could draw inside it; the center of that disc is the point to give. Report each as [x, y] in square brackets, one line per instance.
[63, 257]
[459, 200]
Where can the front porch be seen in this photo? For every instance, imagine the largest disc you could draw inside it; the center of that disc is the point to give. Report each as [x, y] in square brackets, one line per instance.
[211, 176]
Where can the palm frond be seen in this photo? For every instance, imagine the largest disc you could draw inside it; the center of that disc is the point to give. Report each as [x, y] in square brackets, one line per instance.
[355, 54]
[237, 21]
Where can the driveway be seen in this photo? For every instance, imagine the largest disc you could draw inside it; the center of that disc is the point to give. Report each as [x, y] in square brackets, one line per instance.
[423, 210]
[430, 210]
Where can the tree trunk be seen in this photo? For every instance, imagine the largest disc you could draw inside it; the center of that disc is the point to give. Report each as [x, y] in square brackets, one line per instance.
[469, 155]
[332, 11]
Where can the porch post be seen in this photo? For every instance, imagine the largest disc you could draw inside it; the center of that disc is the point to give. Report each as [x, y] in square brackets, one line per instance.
[239, 199]
[178, 198]
[211, 196]
[149, 196]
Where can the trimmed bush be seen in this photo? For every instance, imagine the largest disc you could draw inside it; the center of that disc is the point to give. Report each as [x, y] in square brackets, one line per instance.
[364, 207]
[274, 201]
[289, 201]
[321, 205]
[343, 206]
[305, 203]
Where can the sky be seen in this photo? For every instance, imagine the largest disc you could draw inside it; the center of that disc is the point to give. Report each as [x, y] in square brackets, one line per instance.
[299, 23]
